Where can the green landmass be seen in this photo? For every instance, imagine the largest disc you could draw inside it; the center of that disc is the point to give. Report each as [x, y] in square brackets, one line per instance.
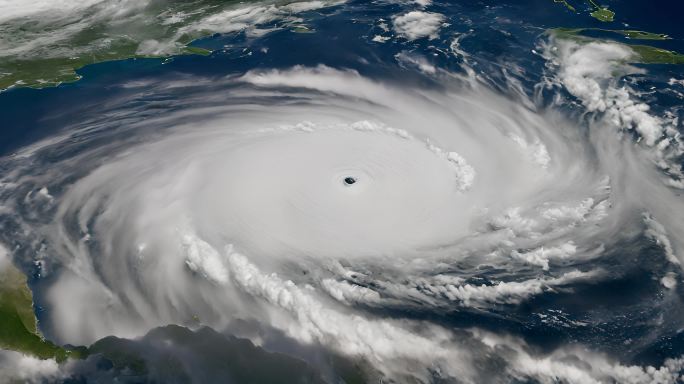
[162, 352]
[644, 54]
[568, 33]
[18, 330]
[102, 40]
[641, 35]
[566, 4]
[603, 14]
[177, 354]
[50, 72]
[653, 55]
[599, 13]
[301, 29]
[45, 50]
[628, 33]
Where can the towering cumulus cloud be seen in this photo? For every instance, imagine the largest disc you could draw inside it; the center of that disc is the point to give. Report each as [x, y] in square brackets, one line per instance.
[416, 24]
[350, 213]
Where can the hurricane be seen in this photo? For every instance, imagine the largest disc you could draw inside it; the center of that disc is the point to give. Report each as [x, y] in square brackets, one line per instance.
[426, 214]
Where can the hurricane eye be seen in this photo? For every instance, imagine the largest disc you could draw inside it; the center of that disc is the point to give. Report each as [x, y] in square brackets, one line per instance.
[349, 180]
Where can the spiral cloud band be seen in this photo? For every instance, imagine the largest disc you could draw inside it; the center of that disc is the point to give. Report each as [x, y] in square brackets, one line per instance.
[317, 201]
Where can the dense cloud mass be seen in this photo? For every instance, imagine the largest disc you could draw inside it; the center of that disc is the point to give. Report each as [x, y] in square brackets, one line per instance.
[416, 24]
[353, 214]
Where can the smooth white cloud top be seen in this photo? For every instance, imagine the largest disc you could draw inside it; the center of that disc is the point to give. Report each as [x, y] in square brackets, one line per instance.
[418, 24]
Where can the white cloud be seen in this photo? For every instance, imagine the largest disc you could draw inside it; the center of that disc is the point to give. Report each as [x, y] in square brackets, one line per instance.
[16, 367]
[202, 258]
[5, 258]
[591, 71]
[536, 150]
[576, 365]
[674, 81]
[15, 9]
[541, 256]
[350, 293]
[669, 281]
[440, 291]
[60, 21]
[418, 61]
[586, 70]
[418, 24]
[465, 174]
[550, 217]
[378, 340]
[263, 170]
[511, 292]
[658, 233]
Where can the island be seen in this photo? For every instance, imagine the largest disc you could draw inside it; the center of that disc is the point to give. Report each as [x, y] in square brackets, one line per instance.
[63, 42]
[644, 54]
[599, 13]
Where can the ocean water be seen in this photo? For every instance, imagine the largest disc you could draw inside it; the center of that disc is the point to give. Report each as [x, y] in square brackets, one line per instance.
[512, 220]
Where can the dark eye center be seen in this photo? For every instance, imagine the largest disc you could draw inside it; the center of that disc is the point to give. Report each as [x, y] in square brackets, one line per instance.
[349, 180]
